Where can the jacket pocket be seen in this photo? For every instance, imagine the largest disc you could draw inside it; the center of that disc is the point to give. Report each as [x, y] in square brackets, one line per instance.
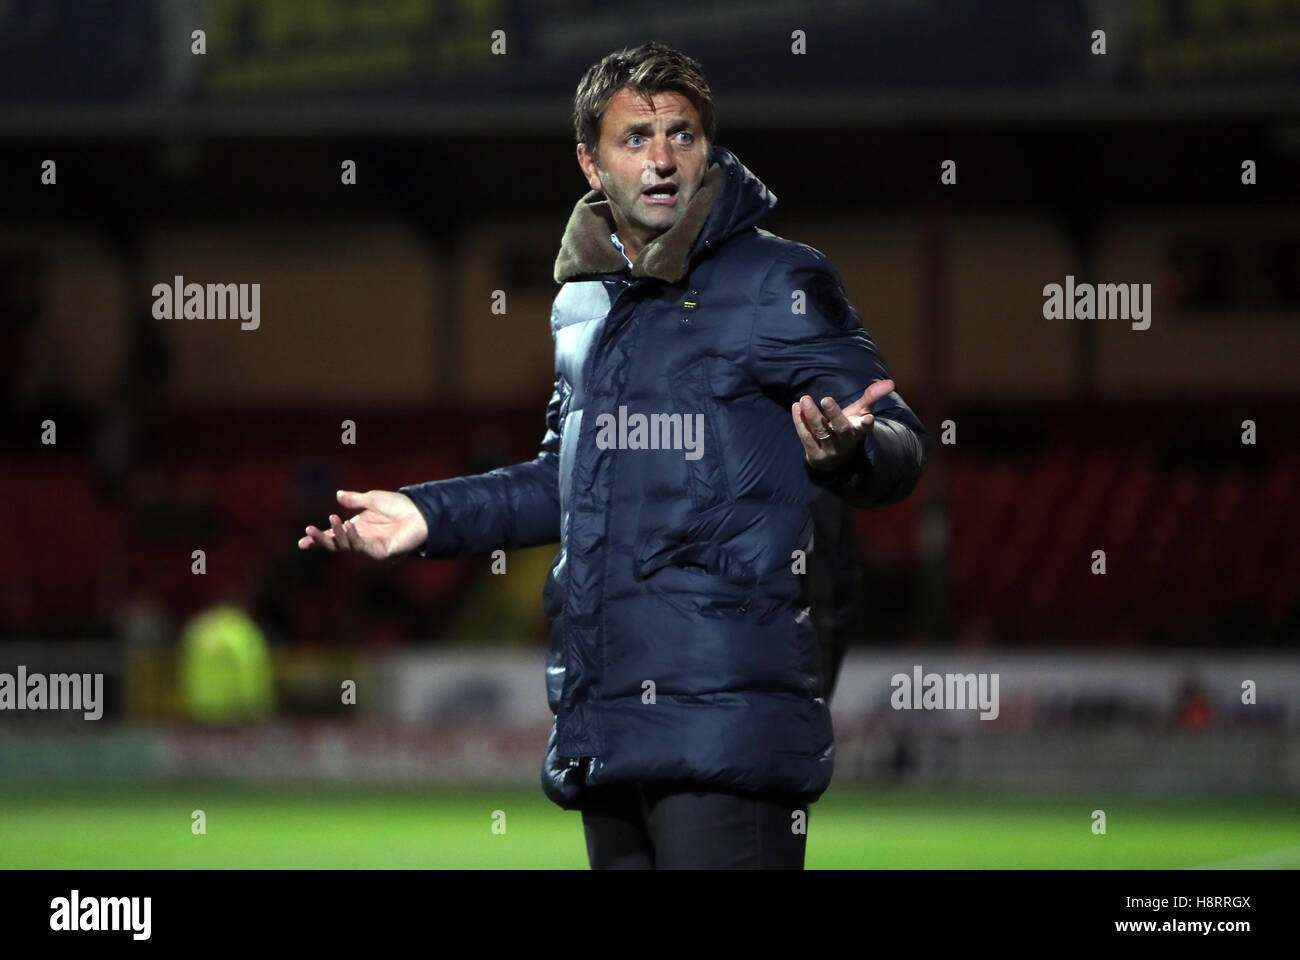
[710, 558]
[692, 560]
[707, 472]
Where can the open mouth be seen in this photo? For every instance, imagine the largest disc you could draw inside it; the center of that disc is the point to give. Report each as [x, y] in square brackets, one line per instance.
[661, 192]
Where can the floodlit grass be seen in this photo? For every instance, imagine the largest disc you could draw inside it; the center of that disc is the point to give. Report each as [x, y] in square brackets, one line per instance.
[437, 828]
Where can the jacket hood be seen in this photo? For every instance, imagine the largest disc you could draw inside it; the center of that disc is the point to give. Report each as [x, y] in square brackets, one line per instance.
[730, 199]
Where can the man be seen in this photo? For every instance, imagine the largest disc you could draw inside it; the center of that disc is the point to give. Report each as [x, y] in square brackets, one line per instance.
[683, 449]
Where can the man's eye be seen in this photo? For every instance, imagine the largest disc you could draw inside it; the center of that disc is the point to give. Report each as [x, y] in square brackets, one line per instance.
[634, 139]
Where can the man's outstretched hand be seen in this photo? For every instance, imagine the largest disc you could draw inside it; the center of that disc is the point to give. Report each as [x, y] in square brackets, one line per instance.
[841, 430]
[389, 523]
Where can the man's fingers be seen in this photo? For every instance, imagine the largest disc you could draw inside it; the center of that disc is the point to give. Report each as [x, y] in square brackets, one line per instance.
[870, 396]
[340, 535]
[862, 406]
[321, 538]
[353, 535]
[809, 442]
[877, 390]
[840, 424]
[349, 534]
[812, 416]
[352, 499]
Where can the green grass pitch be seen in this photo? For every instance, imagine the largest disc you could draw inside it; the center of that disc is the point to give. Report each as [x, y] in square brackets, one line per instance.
[313, 827]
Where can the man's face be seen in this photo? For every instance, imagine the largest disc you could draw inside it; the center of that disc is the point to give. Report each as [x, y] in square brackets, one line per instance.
[644, 148]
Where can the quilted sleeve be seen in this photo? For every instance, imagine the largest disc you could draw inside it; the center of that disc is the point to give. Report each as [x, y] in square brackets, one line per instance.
[816, 345]
[506, 508]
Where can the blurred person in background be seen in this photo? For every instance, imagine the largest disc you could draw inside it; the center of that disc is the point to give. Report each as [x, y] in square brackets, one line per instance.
[691, 727]
[225, 667]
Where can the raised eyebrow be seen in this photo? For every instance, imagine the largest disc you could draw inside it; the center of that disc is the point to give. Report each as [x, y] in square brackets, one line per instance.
[678, 123]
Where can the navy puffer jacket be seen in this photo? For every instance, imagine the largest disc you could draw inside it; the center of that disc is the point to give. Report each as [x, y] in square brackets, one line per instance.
[681, 647]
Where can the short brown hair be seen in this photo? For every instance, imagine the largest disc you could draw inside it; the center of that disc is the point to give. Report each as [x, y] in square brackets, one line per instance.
[648, 69]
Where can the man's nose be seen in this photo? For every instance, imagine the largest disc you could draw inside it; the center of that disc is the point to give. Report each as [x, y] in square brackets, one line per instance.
[663, 157]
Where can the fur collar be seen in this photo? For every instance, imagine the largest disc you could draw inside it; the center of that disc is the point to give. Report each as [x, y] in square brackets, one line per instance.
[586, 247]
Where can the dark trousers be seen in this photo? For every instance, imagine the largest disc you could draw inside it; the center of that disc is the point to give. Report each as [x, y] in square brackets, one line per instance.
[672, 826]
